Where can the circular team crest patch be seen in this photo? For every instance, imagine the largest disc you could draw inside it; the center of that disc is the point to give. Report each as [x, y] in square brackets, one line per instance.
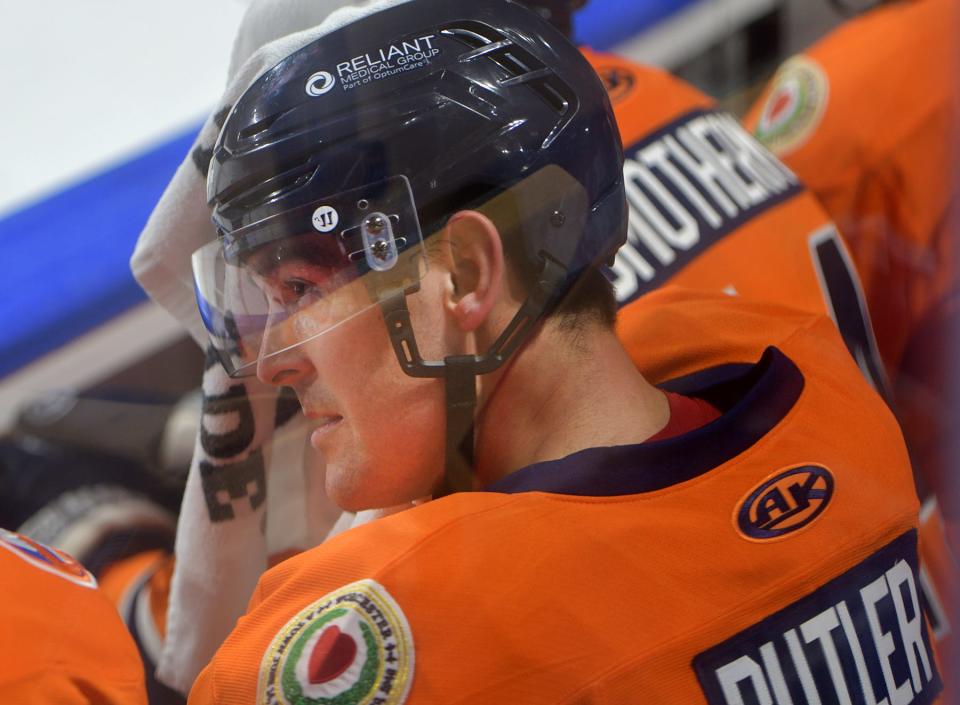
[47, 559]
[785, 502]
[350, 647]
[795, 106]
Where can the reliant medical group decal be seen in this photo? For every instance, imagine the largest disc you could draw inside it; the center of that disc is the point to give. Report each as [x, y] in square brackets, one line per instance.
[376, 65]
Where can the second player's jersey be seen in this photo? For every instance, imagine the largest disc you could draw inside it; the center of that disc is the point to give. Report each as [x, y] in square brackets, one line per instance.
[711, 209]
[61, 640]
[868, 118]
[770, 556]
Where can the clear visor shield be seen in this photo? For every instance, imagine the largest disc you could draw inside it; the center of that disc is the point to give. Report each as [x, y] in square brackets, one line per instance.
[290, 278]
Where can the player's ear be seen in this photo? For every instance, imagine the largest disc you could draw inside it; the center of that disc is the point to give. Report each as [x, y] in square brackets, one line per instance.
[475, 258]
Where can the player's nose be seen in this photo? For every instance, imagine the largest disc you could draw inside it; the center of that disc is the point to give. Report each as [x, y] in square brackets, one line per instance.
[284, 368]
[282, 362]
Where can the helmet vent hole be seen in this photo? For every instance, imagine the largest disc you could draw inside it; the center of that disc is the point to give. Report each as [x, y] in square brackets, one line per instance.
[521, 67]
[554, 98]
[512, 64]
[466, 36]
[259, 127]
[296, 177]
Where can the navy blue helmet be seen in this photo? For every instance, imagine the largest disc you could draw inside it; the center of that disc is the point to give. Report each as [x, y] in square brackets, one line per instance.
[415, 112]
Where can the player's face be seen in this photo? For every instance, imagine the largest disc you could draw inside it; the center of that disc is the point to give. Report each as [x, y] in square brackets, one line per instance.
[380, 431]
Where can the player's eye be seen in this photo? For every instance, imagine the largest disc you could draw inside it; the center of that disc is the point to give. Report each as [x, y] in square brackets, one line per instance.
[296, 292]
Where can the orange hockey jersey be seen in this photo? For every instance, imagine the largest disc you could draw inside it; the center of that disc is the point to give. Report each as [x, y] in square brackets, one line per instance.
[688, 171]
[868, 117]
[712, 209]
[769, 556]
[61, 640]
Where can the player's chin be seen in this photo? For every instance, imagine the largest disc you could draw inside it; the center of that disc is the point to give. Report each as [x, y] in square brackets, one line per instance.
[341, 487]
[355, 490]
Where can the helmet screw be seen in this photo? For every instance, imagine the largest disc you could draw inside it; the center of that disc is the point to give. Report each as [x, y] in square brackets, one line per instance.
[376, 224]
[558, 219]
[380, 249]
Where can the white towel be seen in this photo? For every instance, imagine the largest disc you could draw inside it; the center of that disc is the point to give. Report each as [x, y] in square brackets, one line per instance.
[224, 536]
[180, 224]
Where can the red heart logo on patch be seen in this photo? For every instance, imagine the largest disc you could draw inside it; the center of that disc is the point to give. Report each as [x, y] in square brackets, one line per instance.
[331, 656]
[780, 104]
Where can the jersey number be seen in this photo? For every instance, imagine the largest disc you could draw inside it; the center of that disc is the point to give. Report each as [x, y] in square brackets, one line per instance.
[845, 301]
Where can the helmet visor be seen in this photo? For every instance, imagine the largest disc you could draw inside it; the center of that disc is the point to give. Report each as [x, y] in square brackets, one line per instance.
[271, 286]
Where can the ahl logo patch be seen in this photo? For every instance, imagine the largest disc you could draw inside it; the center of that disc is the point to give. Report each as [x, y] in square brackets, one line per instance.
[350, 647]
[785, 502]
[47, 559]
[795, 106]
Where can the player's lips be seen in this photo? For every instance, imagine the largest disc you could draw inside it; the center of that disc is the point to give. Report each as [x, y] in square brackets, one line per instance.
[326, 424]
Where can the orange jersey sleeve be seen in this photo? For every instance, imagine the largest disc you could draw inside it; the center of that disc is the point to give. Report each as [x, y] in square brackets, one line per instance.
[61, 638]
[868, 117]
[711, 209]
[145, 579]
[745, 559]
[139, 588]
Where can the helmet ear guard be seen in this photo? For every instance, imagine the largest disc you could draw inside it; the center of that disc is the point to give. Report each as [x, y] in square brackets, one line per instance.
[548, 212]
[551, 204]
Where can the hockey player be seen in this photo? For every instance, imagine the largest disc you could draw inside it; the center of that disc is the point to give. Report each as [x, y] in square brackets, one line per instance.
[806, 261]
[707, 202]
[438, 188]
[60, 638]
[868, 118]
[685, 157]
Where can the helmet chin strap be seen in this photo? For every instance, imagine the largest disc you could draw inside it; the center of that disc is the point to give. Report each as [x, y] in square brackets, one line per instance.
[460, 371]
